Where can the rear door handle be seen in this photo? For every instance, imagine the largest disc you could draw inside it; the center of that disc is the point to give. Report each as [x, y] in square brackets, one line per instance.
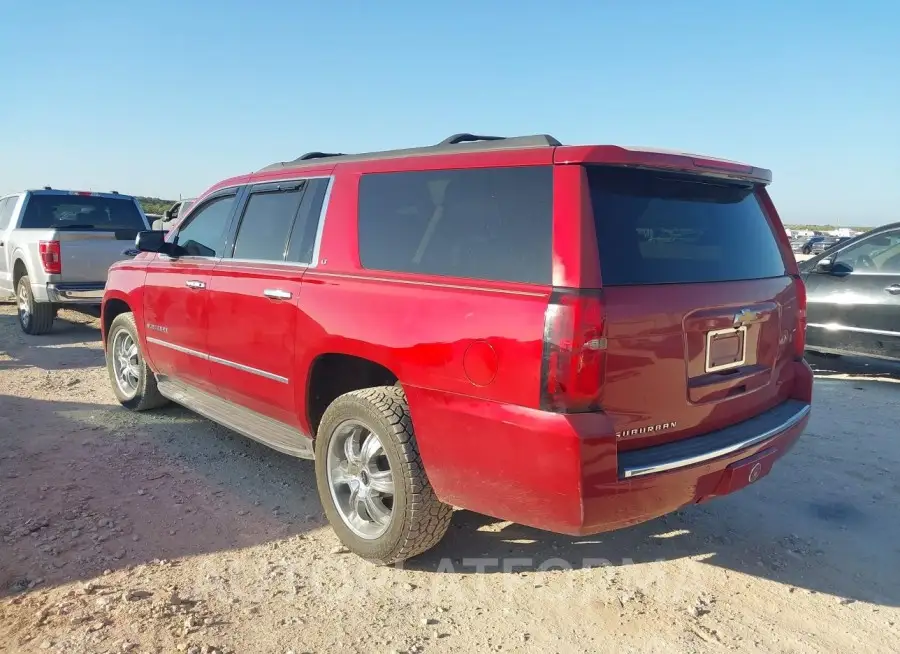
[893, 289]
[277, 294]
[195, 283]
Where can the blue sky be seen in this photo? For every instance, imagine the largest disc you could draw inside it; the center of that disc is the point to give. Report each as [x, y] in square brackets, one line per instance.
[166, 97]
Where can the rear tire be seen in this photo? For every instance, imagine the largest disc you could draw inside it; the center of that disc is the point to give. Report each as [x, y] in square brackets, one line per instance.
[35, 317]
[132, 380]
[417, 519]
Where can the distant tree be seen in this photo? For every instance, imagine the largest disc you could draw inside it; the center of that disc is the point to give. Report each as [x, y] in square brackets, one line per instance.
[155, 205]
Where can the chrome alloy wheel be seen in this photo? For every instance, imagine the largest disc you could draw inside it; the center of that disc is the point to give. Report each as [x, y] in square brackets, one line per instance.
[360, 479]
[126, 363]
[24, 306]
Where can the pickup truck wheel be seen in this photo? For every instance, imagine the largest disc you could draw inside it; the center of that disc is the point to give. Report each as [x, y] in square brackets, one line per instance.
[132, 380]
[34, 317]
[371, 480]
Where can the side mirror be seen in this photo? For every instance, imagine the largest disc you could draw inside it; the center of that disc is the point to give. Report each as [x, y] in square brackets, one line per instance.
[155, 241]
[829, 266]
[825, 265]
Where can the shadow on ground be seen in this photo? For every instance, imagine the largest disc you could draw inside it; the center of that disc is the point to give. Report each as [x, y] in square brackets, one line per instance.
[67, 346]
[92, 487]
[175, 485]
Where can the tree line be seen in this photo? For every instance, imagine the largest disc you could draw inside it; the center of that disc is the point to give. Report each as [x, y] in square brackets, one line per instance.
[155, 205]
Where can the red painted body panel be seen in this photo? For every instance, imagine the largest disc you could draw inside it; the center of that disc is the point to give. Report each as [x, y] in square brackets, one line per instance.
[182, 311]
[253, 330]
[469, 353]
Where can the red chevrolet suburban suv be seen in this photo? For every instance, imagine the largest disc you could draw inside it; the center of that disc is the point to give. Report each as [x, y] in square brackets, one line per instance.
[576, 338]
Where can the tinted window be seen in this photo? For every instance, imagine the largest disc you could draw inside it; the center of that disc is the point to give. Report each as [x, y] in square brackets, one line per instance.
[659, 228]
[303, 235]
[64, 211]
[267, 221]
[493, 223]
[204, 234]
[6, 209]
[879, 253]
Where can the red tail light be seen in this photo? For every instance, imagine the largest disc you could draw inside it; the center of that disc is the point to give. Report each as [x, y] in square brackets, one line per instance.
[800, 334]
[574, 358]
[50, 257]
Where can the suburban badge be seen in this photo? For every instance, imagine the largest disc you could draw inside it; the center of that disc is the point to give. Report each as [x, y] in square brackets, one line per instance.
[646, 430]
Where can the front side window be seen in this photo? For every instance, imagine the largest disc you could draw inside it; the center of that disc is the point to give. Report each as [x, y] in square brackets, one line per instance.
[6, 209]
[878, 253]
[204, 234]
[488, 223]
[184, 208]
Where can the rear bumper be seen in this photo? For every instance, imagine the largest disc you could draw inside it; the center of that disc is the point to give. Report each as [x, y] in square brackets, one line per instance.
[720, 444]
[564, 474]
[73, 293]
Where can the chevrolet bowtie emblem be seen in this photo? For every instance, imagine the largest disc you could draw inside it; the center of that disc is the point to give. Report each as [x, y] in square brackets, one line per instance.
[745, 316]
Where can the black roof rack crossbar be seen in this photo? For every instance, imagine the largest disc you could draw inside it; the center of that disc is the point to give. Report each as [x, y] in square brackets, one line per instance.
[463, 142]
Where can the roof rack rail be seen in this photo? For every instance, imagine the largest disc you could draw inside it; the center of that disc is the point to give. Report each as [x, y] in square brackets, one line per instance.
[463, 142]
[468, 138]
[319, 155]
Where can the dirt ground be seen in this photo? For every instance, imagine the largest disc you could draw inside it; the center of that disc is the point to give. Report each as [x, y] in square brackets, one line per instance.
[162, 532]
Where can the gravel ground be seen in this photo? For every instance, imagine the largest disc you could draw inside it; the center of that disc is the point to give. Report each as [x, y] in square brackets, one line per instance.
[162, 532]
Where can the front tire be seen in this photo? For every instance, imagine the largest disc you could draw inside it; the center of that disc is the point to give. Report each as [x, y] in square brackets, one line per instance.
[132, 380]
[35, 317]
[371, 480]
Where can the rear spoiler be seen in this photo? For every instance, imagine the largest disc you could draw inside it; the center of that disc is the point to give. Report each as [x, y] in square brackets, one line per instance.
[615, 155]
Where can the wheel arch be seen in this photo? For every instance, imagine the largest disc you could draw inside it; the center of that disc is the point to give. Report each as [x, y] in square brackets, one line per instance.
[331, 374]
[19, 268]
[113, 306]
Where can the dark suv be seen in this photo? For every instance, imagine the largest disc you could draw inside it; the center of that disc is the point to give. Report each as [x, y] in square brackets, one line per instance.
[577, 338]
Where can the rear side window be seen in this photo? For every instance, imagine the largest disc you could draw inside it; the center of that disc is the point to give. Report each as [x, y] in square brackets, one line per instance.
[660, 228]
[82, 212]
[266, 224]
[490, 223]
[306, 226]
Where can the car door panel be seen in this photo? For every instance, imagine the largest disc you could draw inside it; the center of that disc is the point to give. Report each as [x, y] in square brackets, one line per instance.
[5, 277]
[175, 302]
[855, 306]
[252, 323]
[176, 298]
[254, 296]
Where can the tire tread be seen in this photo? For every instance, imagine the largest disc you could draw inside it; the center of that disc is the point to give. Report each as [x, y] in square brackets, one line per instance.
[42, 313]
[426, 518]
[148, 395]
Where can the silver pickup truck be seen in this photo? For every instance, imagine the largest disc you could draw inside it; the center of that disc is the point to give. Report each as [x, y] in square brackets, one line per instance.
[56, 248]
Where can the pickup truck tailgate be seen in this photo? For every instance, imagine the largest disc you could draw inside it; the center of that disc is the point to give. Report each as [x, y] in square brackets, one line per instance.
[86, 256]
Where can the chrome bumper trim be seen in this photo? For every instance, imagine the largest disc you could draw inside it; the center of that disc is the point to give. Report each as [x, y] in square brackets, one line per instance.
[674, 464]
[74, 294]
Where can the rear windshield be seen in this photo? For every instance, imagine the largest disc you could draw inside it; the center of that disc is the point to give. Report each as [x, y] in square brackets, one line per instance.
[57, 211]
[660, 228]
